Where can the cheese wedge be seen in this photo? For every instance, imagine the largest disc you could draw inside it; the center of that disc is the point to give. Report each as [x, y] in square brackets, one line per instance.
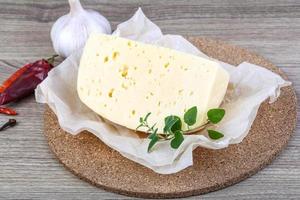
[123, 80]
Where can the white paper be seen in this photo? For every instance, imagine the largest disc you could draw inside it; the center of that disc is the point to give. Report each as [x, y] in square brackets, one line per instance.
[253, 84]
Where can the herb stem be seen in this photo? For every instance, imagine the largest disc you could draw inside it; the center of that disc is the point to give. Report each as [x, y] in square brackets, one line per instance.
[161, 136]
[191, 131]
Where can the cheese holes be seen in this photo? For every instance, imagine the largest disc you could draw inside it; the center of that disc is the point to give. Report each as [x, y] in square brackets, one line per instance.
[124, 86]
[115, 55]
[106, 59]
[167, 65]
[111, 92]
[124, 71]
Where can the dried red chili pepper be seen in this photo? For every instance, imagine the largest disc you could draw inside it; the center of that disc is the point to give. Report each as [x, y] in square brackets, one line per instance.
[13, 77]
[7, 111]
[23, 82]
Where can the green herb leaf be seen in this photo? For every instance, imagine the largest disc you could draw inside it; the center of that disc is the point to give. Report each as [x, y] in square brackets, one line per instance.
[141, 120]
[215, 115]
[178, 139]
[154, 134]
[214, 134]
[154, 140]
[190, 116]
[172, 124]
[146, 117]
[152, 127]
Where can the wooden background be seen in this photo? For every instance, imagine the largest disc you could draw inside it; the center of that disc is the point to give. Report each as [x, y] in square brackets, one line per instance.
[28, 170]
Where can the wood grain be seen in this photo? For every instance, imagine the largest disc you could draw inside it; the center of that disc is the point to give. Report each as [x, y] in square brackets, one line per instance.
[28, 170]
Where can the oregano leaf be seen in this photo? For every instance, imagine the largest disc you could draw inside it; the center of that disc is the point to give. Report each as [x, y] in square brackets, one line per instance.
[152, 135]
[214, 134]
[146, 117]
[141, 120]
[178, 139]
[190, 116]
[172, 124]
[215, 115]
[152, 127]
[153, 141]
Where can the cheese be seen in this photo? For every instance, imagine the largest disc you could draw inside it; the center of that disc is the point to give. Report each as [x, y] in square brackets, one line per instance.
[123, 80]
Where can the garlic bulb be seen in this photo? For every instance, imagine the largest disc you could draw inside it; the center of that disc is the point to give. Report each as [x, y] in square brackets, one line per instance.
[71, 31]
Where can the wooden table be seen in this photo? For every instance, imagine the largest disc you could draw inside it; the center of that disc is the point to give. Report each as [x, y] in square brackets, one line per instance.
[28, 170]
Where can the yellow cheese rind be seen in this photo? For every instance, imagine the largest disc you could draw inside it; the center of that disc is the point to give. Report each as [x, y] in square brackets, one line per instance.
[123, 80]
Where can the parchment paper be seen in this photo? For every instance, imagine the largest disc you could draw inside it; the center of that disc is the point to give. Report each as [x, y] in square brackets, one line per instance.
[252, 85]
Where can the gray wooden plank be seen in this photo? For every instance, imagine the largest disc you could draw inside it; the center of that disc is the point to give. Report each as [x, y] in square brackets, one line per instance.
[28, 170]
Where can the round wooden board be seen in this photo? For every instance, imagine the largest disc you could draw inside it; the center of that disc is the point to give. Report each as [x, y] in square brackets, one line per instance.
[90, 159]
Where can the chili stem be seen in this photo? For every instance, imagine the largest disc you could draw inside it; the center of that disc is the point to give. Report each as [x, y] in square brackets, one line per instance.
[52, 58]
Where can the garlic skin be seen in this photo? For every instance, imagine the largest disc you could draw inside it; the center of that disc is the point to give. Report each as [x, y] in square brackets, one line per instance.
[70, 32]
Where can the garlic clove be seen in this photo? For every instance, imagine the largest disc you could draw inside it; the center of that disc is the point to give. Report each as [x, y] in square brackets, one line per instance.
[99, 19]
[70, 32]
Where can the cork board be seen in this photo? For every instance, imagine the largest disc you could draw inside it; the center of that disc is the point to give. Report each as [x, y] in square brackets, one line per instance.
[91, 160]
